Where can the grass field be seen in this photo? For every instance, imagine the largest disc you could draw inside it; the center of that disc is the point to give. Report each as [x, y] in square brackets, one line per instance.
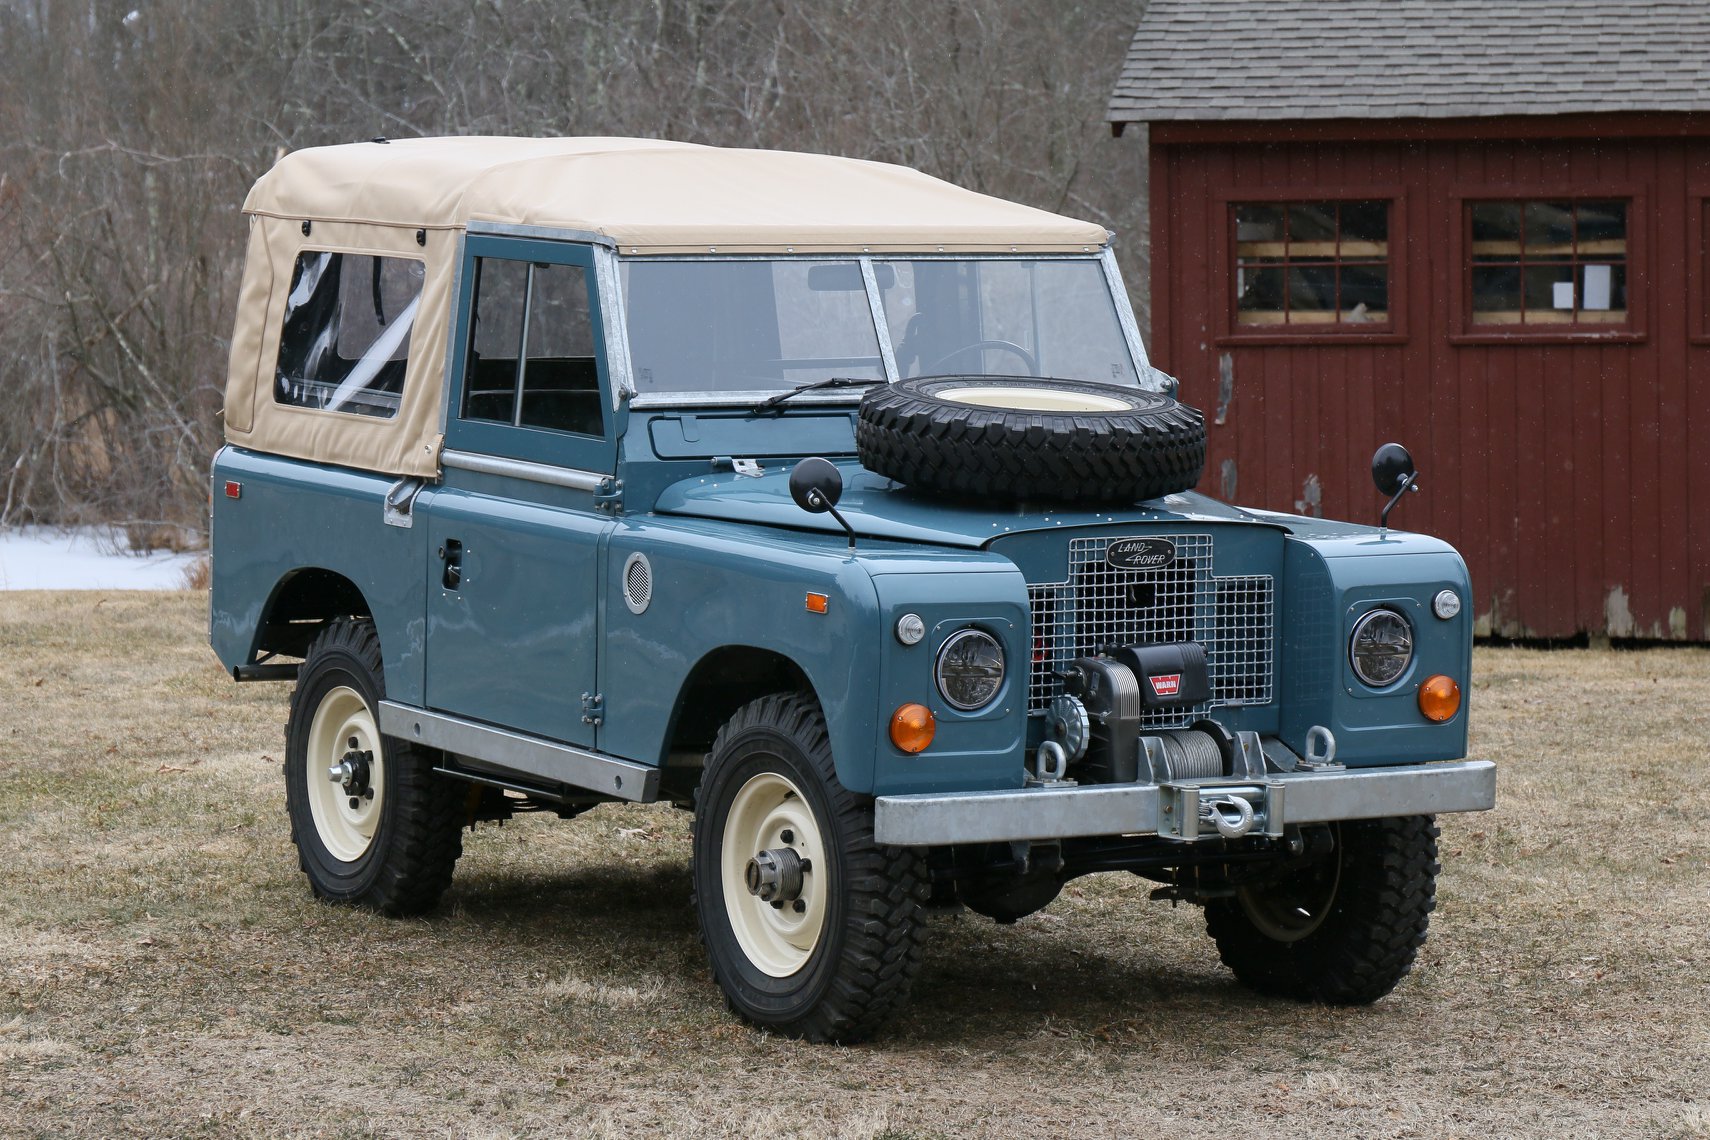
[165, 972]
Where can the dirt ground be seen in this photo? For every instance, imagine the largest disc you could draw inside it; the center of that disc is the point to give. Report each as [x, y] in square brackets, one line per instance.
[165, 972]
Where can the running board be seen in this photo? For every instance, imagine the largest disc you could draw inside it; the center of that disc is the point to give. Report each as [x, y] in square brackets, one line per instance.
[518, 752]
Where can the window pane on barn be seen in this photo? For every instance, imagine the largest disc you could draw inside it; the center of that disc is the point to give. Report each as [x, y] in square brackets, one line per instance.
[1550, 264]
[1311, 266]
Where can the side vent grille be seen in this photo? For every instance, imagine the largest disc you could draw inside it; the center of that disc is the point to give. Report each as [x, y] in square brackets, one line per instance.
[637, 583]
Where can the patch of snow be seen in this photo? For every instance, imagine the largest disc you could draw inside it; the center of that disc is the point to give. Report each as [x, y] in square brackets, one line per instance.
[43, 558]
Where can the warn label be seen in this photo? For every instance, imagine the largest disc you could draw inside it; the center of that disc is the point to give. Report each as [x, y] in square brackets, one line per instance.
[1166, 684]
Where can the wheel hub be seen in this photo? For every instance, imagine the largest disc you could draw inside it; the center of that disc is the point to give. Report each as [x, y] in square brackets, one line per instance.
[775, 875]
[352, 771]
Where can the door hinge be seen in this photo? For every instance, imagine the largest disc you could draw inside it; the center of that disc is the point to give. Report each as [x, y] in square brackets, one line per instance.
[610, 496]
[593, 709]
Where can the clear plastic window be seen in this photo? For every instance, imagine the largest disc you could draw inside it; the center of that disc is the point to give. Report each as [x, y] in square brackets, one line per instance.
[346, 335]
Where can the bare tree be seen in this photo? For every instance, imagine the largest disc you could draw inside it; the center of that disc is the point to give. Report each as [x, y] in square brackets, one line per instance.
[135, 128]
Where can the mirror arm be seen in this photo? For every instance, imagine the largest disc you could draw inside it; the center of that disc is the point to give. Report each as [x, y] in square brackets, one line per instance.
[822, 503]
[1409, 482]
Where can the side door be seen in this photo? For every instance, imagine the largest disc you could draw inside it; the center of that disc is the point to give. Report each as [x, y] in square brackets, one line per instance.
[515, 530]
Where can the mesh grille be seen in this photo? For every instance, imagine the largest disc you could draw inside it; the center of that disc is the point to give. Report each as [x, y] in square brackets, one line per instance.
[637, 583]
[1099, 605]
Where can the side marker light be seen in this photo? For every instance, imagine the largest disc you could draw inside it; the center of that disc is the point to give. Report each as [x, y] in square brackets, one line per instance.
[1439, 698]
[818, 603]
[234, 489]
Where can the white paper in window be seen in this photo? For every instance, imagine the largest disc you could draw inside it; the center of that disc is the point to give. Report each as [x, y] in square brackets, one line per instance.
[1562, 294]
[1598, 279]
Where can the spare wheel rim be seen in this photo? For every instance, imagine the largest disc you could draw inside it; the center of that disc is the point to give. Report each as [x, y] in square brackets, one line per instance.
[343, 724]
[778, 941]
[1023, 398]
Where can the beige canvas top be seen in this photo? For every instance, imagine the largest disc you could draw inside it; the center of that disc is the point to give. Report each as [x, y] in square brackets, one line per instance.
[649, 196]
[644, 196]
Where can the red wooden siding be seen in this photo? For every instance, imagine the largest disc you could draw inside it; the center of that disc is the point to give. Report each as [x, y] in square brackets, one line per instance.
[1573, 472]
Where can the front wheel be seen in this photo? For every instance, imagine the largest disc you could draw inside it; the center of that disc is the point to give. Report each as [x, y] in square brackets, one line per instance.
[813, 930]
[1343, 929]
[374, 824]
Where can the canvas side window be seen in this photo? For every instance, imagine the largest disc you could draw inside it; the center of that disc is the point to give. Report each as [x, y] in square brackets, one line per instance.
[1545, 265]
[1311, 266]
[346, 336]
[531, 352]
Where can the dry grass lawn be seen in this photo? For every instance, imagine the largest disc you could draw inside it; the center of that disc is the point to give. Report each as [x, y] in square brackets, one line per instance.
[165, 972]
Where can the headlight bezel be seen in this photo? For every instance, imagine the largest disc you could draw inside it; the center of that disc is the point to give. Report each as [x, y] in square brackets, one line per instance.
[1395, 665]
[953, 688]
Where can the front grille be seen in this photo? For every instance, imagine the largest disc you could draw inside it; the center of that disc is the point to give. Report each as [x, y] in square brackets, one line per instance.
[1099, 605]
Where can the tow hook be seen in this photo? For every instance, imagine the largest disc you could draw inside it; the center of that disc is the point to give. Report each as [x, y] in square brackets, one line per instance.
[1231, 815]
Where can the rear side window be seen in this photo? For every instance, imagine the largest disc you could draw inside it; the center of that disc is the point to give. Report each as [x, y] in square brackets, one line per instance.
[347, 333]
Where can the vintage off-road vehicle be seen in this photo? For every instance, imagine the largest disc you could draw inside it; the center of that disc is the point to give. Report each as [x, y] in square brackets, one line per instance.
[835, 503]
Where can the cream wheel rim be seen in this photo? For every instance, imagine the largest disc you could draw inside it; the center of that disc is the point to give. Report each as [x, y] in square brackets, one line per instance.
[343, 724]
[769, 813]
[1024, 399]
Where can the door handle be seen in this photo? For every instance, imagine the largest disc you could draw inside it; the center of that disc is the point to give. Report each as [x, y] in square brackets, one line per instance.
[452, 555]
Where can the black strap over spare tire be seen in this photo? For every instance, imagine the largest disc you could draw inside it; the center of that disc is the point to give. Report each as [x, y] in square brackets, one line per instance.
[1031, 439]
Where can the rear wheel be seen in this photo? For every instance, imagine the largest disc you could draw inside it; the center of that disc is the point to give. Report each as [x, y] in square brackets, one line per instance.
[813, 930]
[1343, 929]
[374, 824]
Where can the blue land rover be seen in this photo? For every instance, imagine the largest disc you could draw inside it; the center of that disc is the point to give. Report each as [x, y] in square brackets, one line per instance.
[836, 503]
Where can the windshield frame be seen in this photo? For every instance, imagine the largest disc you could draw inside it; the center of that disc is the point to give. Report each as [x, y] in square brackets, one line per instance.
[615, 312]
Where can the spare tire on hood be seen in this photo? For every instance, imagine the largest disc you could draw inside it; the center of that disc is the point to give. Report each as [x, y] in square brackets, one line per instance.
[1030, 439]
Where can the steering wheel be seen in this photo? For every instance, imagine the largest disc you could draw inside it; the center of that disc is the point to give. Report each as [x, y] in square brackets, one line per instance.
[1006, 346]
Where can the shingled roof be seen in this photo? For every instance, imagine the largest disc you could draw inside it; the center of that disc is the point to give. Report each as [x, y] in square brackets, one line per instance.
[1196, 60]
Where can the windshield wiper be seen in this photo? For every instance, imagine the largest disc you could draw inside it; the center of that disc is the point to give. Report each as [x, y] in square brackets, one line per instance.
[773, 402]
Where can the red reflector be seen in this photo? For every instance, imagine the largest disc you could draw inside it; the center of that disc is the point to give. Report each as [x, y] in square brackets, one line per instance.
[234, 489]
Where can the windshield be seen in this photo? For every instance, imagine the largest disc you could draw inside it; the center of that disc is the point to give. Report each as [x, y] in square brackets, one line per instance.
[747, 326]
[1006, 318]
[757, 326]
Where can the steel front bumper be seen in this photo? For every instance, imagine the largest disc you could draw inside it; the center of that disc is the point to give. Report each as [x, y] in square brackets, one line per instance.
[1184, 810]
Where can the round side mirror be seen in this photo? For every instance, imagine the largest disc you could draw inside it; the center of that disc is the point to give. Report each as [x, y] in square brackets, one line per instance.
[816, 485]
[1390, 465]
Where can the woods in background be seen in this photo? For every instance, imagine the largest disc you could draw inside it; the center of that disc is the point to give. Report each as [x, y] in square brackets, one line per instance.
[129, 137]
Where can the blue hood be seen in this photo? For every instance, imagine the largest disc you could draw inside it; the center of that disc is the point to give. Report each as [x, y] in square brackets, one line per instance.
[879, 508]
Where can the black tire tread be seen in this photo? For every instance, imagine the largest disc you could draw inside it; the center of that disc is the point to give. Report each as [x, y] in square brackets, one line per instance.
[1372, 936]
[966, 451]
[884, 934]
[423, 836]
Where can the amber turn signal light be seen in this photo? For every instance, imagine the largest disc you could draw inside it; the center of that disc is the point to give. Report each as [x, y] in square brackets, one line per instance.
[1439, 698]
[912, 727]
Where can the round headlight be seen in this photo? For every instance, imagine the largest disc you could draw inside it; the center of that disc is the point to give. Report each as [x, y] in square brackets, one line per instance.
[970, 669]
[1381, 648]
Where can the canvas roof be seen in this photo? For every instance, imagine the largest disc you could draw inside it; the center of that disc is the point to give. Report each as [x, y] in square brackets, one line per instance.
[649, 196]
[1200, 60]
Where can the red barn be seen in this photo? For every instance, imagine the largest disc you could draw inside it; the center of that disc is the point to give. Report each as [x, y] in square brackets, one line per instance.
[1481, 229]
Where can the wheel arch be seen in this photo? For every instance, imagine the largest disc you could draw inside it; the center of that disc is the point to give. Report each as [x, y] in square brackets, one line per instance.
[301, 604]
[720, 683]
